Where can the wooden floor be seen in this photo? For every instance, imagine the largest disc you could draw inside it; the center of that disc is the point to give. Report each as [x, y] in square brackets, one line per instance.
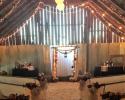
[63, 91]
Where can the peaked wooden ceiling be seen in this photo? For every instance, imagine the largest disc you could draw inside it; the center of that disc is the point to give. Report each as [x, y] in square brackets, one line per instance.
[22, 10]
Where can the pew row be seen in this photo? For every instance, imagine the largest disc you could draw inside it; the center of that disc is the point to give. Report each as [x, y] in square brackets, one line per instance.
[7, 89]
[119, 85]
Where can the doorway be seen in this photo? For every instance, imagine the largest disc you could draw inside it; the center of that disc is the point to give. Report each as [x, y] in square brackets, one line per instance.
[63, 61]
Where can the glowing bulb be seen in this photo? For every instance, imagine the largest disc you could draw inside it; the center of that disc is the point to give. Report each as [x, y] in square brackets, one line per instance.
[122, 38]
[83, 4]
[103, 15]
[120, 27]
[92, 11]
[109, 24]
[59, 1]
[72, 6]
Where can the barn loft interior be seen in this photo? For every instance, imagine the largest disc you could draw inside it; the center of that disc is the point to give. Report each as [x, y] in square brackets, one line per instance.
[62, 50]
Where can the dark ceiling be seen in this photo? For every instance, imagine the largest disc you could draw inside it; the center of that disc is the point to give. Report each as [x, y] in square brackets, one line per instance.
[120, 3]
[24, 10]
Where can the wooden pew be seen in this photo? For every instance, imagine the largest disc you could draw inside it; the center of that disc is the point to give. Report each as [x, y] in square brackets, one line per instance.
[7, 89]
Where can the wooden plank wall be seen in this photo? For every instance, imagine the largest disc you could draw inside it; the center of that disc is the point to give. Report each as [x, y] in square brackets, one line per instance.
[99, 53]
[40, 56]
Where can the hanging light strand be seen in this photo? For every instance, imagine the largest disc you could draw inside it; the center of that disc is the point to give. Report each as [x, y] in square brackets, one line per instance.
[23, 25]
[15, 5]
[94, 10]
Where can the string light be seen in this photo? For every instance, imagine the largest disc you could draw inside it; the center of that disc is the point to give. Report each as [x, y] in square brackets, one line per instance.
[72, 6]
[92, 11]
[109, 24]
[114, 22]
[17, 30]
[15, 5]
[122, 38]
[41, 5]
[120, 27]
[103, 15]
[83, 4]
[113, 8]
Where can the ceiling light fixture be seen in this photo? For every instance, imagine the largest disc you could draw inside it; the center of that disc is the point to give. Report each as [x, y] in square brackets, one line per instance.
[60, 5]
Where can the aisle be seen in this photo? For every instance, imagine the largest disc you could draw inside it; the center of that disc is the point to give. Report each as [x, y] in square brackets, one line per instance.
[63, 91]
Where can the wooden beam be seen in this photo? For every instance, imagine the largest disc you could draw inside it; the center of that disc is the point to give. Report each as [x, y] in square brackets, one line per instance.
[18, 18]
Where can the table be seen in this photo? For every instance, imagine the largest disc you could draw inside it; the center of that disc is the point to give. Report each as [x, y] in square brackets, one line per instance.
[110, 71]
[24, 72]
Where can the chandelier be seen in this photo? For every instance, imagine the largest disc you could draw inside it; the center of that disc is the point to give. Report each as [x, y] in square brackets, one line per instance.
[60, 5]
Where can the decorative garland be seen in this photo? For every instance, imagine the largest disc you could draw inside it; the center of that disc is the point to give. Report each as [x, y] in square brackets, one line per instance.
[65, 52]
[54, 69]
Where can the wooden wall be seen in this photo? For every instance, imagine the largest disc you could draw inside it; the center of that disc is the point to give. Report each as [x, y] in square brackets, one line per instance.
[88, 56]
[99, 53]
[38, 55]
